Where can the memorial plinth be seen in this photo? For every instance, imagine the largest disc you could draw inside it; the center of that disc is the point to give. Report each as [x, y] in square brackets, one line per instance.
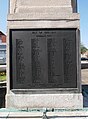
[43, 63]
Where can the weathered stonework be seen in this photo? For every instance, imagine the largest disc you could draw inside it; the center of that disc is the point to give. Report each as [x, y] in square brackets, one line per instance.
[63, 101]
[21, 6]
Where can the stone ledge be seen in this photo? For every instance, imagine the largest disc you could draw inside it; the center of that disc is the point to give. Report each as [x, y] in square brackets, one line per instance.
[23, 24]
[34, 16]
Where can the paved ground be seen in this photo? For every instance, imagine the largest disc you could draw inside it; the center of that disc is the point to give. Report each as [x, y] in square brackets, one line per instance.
[84, 76]
[58, 114]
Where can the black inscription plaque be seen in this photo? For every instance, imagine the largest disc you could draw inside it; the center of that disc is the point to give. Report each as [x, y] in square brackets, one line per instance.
[43, 58]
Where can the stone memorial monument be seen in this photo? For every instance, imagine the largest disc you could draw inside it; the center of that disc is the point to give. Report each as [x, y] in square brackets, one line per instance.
[43, 54]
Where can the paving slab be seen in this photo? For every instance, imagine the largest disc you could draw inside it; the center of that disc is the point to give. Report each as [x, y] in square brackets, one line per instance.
[38, 113]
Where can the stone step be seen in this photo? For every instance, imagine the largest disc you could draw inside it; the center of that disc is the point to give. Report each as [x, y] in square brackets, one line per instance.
[60, 114]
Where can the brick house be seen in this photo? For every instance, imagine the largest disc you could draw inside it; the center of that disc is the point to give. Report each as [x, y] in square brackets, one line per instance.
[2, 37]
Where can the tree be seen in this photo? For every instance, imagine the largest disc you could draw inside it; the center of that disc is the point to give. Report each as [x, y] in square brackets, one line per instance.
[83, 49]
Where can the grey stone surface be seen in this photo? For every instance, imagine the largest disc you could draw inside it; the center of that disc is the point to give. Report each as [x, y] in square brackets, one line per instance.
[23, 101]
[44, 3]
[43, 24]
[19, 6]
[4, 114]
[44, 16]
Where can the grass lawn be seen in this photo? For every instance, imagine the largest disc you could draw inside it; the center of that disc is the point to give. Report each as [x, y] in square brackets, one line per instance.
[3, 78]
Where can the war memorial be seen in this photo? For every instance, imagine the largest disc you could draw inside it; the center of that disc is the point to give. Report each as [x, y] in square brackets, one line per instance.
[43, 57]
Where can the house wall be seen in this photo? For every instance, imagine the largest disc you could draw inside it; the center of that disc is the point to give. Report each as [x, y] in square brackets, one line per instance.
[2, 38]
